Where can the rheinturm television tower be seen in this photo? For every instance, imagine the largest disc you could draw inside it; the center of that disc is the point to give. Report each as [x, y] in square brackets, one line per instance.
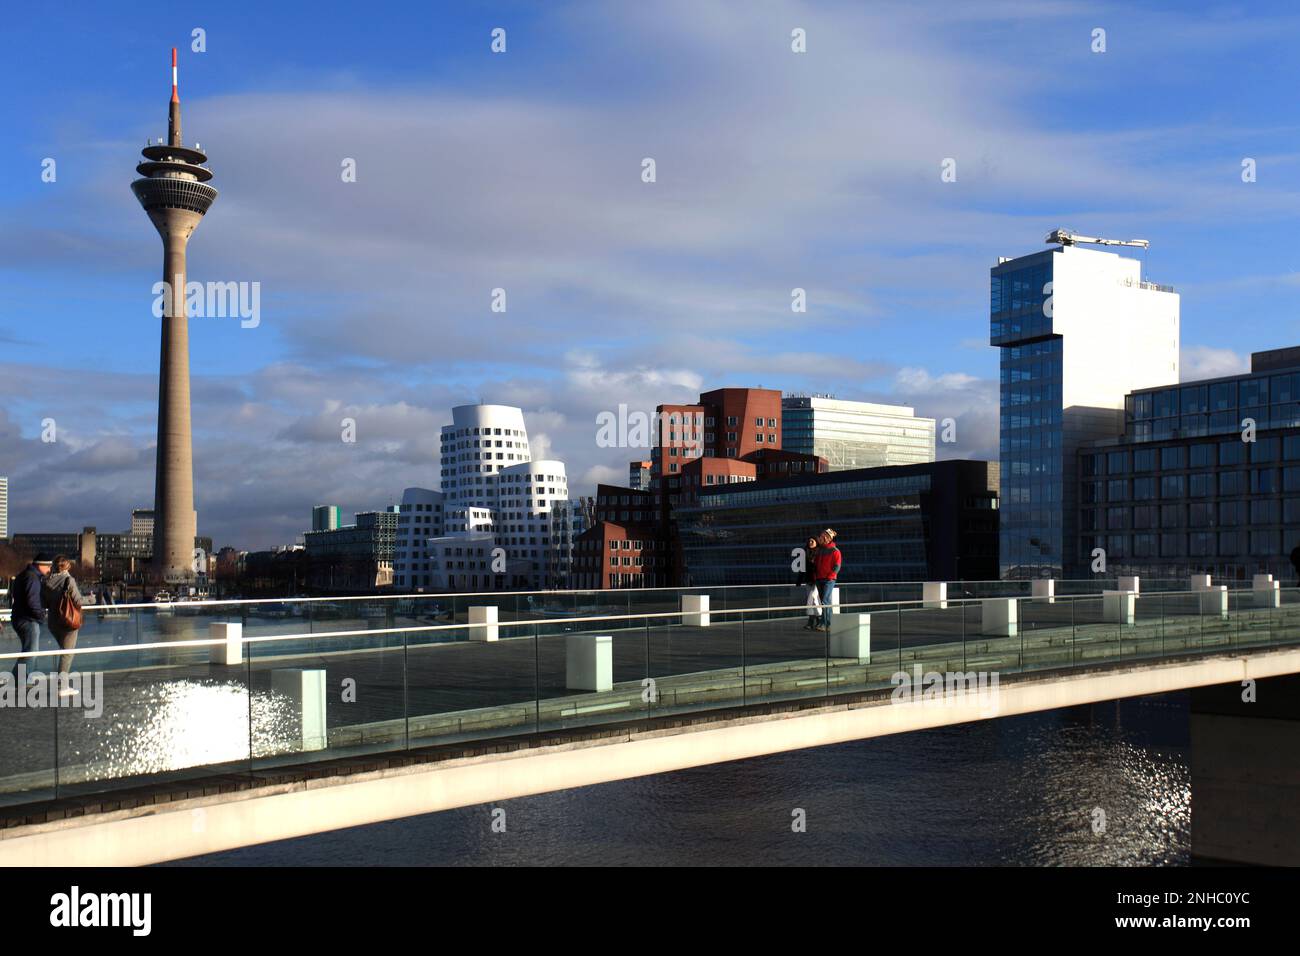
[175, 194]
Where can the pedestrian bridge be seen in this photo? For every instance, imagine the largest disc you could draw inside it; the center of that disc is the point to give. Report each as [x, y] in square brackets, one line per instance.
[203, 727]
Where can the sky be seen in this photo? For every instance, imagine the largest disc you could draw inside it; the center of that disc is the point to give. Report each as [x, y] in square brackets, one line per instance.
[523, 170]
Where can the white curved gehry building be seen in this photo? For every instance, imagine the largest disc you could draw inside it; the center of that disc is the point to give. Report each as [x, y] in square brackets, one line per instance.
[501, 521]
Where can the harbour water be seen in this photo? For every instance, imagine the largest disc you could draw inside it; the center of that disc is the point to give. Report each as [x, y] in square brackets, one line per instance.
[1107, 784]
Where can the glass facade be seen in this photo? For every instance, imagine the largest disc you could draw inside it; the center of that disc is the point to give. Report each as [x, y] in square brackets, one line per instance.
[930, 522]
[1215, 407]
[1188, 491]
[1030, 445]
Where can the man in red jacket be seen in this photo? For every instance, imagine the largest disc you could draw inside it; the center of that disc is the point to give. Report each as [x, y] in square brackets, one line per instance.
[827, 569]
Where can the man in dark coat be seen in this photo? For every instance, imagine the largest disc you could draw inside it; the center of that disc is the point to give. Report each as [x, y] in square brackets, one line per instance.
[28, 610]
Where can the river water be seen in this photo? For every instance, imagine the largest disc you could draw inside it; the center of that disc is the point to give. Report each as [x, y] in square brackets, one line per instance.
[1107, 784]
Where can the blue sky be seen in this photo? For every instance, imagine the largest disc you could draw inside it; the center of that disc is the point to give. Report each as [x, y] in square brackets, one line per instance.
[522, 171]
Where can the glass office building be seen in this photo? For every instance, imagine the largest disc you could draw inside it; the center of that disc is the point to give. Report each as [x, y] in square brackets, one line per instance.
[855, 434]
[1077, 329]
[929, 522]
[1190, 488]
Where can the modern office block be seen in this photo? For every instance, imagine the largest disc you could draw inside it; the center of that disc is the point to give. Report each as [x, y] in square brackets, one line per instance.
[4, 507]
[931, 522]
[1078, 329]
[326, 518]
[853, 435]
[502, 520]
[1204, 479]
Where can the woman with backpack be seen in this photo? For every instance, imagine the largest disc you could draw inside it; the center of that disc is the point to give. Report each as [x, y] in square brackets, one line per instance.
[61, 597]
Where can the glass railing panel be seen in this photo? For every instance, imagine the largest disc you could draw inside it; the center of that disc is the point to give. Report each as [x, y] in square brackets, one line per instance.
[151, 715]
[29, 724]
[1185, 622]
[461, 683]
[786, 655]
[594, 674]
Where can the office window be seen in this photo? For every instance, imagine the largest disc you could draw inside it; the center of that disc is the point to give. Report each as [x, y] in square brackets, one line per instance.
[1232, 452]
[1171, 458]
[1201, 544]
[1144, 516]
[1201, 456]
[1264, 512]
[1173, 486]
[1263, 481]
[1117, 490]
[1144, 489]
[1144, 460]
[1200, 486]
[1231, 483]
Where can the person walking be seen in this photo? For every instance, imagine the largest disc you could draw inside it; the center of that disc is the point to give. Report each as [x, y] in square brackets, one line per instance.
[808, 578]
[28, 612]
[54, 588]
[827, 569]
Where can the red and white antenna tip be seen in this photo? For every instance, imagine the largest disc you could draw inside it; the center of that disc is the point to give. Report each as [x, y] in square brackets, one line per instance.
[174, 96]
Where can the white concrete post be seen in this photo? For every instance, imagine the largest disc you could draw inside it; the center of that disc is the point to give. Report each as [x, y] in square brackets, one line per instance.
[1000, 617]
[589, 662]
[851, 636]
[934, 594]
[1267, 591]
[231, 650]
[306, 692]
[1199, 582]
[1044, 589]
[695, 610]
[484, 620]
[1118, 607]
[1129, 584]
[1214, 601]
[835, 597]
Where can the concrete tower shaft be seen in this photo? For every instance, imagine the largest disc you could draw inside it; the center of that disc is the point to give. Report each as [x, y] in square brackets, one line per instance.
[175, 195]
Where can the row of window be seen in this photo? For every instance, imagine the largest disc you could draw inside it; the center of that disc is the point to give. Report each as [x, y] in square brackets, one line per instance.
[1224, 544]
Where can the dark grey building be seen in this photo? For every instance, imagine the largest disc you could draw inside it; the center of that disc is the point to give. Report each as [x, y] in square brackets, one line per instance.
[1190, 488]
[936, 521]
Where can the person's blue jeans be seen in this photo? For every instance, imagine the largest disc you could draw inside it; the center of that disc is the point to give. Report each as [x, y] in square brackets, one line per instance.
[824, 588]
[29, 636]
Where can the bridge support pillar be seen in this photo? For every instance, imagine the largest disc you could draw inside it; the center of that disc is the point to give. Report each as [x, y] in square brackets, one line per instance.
[1000, 617]
[1129, 583]
[484, 620]
[1267, 591]
[306, 692]
[231, 650]
[1214, 601]
[1043, 589]
[1246, 773]
[695, 610]
[851, 636]
[1118, 607]
[589, 662]
[1199, 582]
[935, 594]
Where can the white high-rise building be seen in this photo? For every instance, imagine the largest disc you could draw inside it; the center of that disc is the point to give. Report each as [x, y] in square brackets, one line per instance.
[855, 434]
[494, 524]
[1078, 330]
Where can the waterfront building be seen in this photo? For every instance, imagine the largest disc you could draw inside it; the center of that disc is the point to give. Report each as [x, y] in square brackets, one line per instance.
[853, 435]
[1077, 329]
[1205, 478]
[936, 521]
